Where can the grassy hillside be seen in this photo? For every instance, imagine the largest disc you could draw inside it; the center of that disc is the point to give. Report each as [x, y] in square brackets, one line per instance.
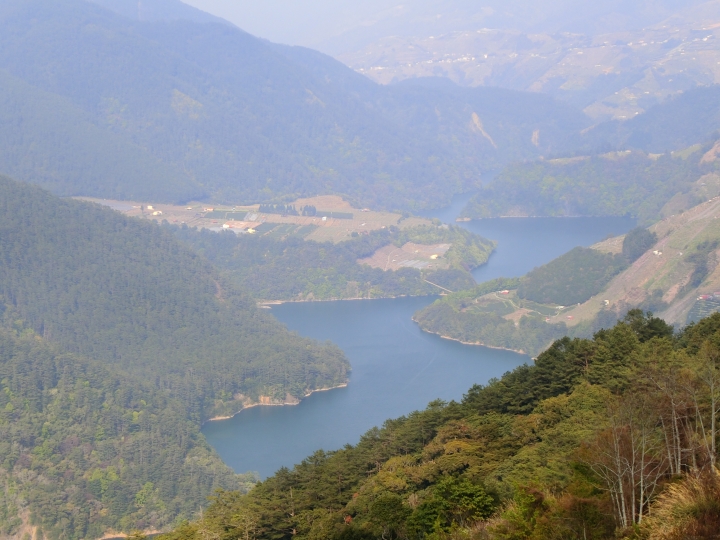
[124, 292]
[238, 119]
[585, 443]
[671, 277]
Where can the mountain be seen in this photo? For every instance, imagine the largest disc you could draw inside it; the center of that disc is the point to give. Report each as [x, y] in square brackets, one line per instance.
[52, 142]
[345, 27]
[602, 438]
[122, 291]
[661, 163]
[116, 343]
[231, 117]
[614, 60]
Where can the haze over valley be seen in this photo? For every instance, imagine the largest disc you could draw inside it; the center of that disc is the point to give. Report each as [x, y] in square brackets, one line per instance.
[357, 271]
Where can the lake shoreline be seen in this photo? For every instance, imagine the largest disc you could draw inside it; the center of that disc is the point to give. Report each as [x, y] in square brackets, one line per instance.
[475, 344]
[284, 404]
[267, 304]
[468, 219]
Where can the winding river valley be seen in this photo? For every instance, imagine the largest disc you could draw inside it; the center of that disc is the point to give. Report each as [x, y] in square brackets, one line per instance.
[396, 368]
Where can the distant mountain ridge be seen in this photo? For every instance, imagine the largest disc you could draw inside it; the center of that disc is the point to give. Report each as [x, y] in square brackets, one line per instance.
[231, 117]
[612, 59]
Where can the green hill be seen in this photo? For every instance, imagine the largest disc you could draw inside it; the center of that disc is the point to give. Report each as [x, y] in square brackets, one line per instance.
[49, 140]
[231, 117]
[656, 158]
[124, 292]
[116, 343]
[588, 442]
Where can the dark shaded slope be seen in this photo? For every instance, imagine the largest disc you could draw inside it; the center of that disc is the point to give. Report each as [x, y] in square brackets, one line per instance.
[123, 291]
[47, 140]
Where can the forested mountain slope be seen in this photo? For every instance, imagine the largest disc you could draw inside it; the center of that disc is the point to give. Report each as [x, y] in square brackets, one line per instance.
[86, 450]
[51, 141]
[124, 292]
[232, 117]
[598, 439]
[646, 186]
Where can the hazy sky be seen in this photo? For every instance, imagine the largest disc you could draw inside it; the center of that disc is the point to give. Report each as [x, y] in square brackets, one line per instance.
[315, 23]
[295, 22]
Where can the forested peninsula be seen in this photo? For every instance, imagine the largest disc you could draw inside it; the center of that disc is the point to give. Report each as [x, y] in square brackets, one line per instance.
[293, 269]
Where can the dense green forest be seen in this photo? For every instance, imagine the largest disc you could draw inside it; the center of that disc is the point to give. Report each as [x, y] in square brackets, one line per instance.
[294, 269]
[572, 278]
[85, 449]
[616, 184]
[609, 437]
[125, 292]
[116, 343]
[231, 117]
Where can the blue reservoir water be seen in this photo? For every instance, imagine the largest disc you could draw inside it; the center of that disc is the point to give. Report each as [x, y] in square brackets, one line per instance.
[525, 243]
[396, 368]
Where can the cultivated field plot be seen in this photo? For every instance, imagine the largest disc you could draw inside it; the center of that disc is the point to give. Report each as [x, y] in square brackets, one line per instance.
[411, 255]
[334, 220]
[508, 305]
